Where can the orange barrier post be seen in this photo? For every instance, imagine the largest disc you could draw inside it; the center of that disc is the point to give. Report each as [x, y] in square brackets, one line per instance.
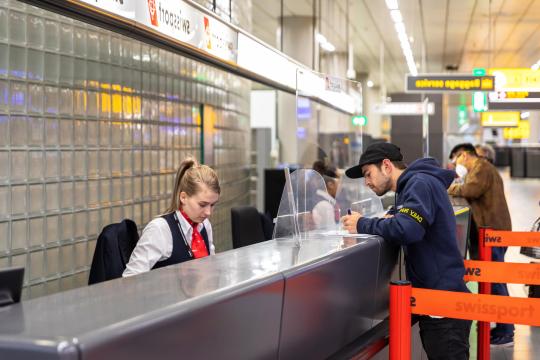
[400, 320]
[483, 327]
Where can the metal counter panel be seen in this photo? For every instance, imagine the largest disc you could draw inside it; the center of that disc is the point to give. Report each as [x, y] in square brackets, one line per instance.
[330, 302]
[387, 270]
[232, 301]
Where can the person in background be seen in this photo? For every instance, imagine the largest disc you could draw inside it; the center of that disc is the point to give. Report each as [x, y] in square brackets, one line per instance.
[486, 152]
[423, 223]
[452, 157]
[325, 212]
[483, 188]
[184, 232]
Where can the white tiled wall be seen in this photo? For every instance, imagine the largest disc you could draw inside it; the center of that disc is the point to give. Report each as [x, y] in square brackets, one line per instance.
[92, 127]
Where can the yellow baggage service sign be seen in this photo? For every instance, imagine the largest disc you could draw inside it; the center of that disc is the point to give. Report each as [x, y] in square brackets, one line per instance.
[449, 83]
[500, 118]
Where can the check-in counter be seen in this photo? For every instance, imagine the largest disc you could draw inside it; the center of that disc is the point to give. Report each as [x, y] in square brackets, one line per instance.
[268, 300]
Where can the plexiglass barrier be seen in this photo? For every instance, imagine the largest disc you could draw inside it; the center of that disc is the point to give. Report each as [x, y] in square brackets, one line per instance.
[328, 140]
[305, 207]
[353, 194]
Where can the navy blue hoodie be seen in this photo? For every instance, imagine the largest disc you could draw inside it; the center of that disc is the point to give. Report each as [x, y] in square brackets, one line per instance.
[425, 225]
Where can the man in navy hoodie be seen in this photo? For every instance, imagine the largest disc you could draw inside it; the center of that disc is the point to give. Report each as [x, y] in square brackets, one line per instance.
[423, 223]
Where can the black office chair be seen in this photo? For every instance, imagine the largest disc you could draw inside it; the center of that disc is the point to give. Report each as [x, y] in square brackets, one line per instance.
[249, 226]
[113, 250]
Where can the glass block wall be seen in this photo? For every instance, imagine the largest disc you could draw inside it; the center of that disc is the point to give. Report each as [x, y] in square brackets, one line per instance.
[92, 127]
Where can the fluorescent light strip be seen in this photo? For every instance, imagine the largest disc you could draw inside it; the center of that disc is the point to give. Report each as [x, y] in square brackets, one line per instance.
[397, 18]
[392, 4]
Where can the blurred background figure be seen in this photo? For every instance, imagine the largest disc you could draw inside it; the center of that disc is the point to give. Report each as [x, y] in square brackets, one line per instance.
[485, 151]
[326, 212]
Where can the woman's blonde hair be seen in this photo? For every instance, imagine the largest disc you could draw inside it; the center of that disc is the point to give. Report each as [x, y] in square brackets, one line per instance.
[188, 177]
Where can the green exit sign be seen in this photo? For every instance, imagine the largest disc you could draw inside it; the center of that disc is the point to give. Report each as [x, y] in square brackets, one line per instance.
[479, 72]
[479, 101]
[359, 120]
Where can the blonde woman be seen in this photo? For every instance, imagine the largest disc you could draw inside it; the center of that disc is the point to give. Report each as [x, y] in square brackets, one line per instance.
[184, 232]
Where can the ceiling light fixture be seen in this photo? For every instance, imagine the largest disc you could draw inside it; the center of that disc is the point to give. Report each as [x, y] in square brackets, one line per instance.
[404, 40]
[325, 44]
[396, 16]
[392, 4]
[369, 84]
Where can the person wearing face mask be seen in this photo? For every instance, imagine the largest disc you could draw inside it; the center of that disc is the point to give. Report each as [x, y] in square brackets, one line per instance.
[483, 188]
[183, 233]
[423, 223]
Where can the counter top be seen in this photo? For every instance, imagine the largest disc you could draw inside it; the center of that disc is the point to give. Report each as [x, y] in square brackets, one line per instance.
[162, 291]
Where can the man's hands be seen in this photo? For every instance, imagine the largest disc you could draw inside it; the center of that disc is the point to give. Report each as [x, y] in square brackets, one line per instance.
[349, 222]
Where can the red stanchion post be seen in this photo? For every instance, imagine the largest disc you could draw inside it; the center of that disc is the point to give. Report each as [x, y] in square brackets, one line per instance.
[484, 253]
[400, 320]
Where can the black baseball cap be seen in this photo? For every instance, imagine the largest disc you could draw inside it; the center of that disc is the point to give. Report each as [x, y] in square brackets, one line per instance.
[374, 154]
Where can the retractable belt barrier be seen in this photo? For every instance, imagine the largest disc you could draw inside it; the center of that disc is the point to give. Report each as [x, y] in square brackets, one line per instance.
[485, 308]
[502, 272]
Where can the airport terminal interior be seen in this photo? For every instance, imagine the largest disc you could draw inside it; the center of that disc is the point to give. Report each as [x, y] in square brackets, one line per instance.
[174, 184]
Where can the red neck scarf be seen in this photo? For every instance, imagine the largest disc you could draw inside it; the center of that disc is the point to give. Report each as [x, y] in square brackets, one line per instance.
[198, 247]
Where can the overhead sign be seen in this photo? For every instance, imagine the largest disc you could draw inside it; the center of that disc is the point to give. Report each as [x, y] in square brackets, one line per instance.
[514, 100]
[522, 131]
[184, 22]
[449, 83]
[180, 21]
[403, 108]
[500, 118]
[524, 79]
[123, 8]
[189, 25]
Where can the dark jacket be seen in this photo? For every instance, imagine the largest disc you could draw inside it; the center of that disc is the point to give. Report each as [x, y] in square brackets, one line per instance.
[113, 249]
[425, 226]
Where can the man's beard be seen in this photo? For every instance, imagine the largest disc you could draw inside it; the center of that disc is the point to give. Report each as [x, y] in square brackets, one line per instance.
[386, 187]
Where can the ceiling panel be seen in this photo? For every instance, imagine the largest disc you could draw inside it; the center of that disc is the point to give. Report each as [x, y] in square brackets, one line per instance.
[453, 31]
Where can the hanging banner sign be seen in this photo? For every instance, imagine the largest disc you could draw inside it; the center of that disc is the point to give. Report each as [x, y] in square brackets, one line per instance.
[500, 118]
[403, 108]
[522, 131]
[524, 79]
[514, 100]
[448, 83]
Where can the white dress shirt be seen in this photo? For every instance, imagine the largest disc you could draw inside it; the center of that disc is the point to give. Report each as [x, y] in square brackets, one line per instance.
[156, 244]
[324, 215]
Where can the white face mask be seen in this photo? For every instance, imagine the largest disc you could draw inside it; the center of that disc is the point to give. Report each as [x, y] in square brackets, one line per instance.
[461, 171]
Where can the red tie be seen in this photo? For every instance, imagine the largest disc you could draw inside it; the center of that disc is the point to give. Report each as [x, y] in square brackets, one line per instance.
[198, 247]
